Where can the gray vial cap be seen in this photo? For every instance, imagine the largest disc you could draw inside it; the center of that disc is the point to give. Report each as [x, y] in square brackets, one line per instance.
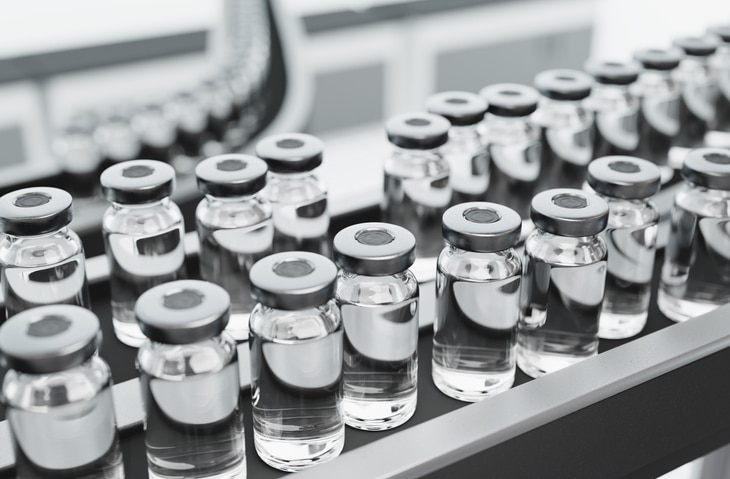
[35, 211]
[291, 152]
[231, 175]
[138, 181]
[481, 227]
[624, 177]
[569, 212]
[461, 108]
[375, 249]
[708, 167]
[417, 131]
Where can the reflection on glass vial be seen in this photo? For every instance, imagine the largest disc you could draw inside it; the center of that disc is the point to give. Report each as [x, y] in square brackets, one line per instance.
[298, 197]
[477, 301]
[627, 183]
[156, 131]
[378, 300]
[566, 127]
[696, 271]
[143, 235]
[296, 347]
[190, 383]
[42, 259]
[615, 108]
[416, 182]
[513, 141]
[78, 155]
[235, 229]
[563, 281]
[117, 139]
[465, 152]
[697, 109]
[720, 63]
[57, 395]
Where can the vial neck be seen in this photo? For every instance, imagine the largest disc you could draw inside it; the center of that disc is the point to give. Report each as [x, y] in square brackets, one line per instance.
[291, 176]
[140, 206]
[230, 199]
[60, 231]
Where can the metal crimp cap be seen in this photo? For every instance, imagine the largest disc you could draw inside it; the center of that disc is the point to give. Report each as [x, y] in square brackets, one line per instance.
[35, 211]
[291, 152]
[418, 131]
[231, 175]
[613, 73]
[569, 212]
[461, 108]
[510, 99]
[564, 85]
[708, 167]
[481, 227]
[695, 46]
[656, 59]
[375, 249]
[624, 177]
[138, 181]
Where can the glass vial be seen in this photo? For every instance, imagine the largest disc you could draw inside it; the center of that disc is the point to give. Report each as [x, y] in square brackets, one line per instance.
[190, 383]
[659, 96]
[477, 301]
[117, 139]
[566, 127]
[42, 259]
[378, 299]
[615, 108]
[697, 110]
[143, 235]
[79, 156]
[465, 152]
[513, 141]
[416, 182]
[696, 271]
[627, 184]
[296, 344]
[57, 395]
[156, 131]
[563, 281]
[720, 63]
[298, 197]
[234, 227]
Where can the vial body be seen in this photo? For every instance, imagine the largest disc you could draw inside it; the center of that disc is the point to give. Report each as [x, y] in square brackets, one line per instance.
[697, 108]
[296, 385]
[468, 161]
[234, 233]
[562, 289]
[696, 271]
[477, 301]
[721, 65]
[43, 269]
[380, 319]
[63, 423]
[616, 120]
[144, 246]
[194, 425]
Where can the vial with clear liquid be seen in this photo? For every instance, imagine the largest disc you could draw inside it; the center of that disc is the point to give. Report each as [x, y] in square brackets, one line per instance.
[566, 127]
[57, 395]
[627, 184]
[696, 271]
[234, 228]
[465, 152]
[296, 347]
[157, 132]
[189, 377]
[477, 301]
[298, 197]
[42, 258]
[143, 236]
[720, 62]
[117, 140]
[513, 142]
[563, 281]
[378, 299]
[416, 182]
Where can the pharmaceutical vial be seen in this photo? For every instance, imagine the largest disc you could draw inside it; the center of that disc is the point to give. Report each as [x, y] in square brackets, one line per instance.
[477, 301]
[190, 383]
[416, 182]
[143, 235]
[660, 97]
[190, 114]
[696, 270]
[378, 299]
[627, 184]
[566, 128]
[157, 132]
[57, 394]
[465, 152]
[117, 139]
[42, 258]
[298, 197]
[615, 108]
[79, 156]
[513, 141]
[296, 344]
[563, 281]
[720, 63]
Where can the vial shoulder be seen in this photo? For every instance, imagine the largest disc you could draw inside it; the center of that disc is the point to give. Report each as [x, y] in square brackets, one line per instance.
[376, 290]
[294, 189]
[292, 327]
[703, 202]
[214, 214]
[416, 164]
[142, 220]
[631, 213]
[473, 266]
[564, 250]
[44, 250]
[176, 362]
[571, 115]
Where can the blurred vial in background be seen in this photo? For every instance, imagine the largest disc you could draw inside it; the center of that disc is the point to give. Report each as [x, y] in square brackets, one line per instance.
[156, 131]
[117, 139]
[190, 114]
[79, 156]
[720, 63]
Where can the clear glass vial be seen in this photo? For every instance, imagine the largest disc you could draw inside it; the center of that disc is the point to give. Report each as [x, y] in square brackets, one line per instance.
[117, 139]
[696, 270]
[477, 301]
[465, 152]
[416, 182]
[720, 63]
[42, 258]
[298, 197]
[563, 281]
[234, 227]
[513, 142]
[190, 383]
[143, 235]
[296, 343]
[57, 395]
[615, 108]
[378, 299]
[627, 184]
[566, 127]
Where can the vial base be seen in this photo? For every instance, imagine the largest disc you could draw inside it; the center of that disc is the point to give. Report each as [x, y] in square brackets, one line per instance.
[238, 472]
[379, 415]
[680, 310]
[536, 363]
[620, 326]
[125, 325]
[291, 455]
[470, 386]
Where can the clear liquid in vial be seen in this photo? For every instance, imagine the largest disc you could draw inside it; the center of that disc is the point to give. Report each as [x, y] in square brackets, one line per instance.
[515, 171]
[616, 132]
[302, 226]
[658, 126]
[566, 153]
[696, 113]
